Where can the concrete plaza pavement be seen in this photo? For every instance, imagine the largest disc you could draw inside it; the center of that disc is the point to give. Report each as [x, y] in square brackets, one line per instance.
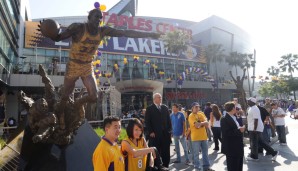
[287, 159]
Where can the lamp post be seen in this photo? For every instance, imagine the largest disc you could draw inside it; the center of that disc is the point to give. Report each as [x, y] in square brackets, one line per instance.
[253, 62]
[35, 68]
[59, 72]
[176, 78]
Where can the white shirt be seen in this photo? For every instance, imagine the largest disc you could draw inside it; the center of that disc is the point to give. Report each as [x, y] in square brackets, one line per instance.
[254, 113]
[278, 120]
[238, 106]
[216, 123]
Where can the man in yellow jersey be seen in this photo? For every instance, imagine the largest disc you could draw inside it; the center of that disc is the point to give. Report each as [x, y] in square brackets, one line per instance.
[198, 123]
[86, 38]
[107, 155]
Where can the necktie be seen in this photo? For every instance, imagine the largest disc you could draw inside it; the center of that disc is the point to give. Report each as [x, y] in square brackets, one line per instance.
[158, 107]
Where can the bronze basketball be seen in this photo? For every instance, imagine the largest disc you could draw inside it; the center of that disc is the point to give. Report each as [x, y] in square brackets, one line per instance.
[49, 28]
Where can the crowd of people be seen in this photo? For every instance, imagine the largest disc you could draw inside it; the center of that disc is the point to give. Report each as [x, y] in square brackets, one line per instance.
[151, 132]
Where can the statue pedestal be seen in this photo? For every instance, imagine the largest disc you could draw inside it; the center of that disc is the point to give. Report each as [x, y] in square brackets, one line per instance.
[47, 157]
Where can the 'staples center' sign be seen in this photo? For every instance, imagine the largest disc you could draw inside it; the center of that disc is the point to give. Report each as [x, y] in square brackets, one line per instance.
[136, 23]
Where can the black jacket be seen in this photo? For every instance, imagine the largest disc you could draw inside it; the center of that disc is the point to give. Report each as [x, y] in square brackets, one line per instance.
[158, 121]
[264, 113]
[232, 137]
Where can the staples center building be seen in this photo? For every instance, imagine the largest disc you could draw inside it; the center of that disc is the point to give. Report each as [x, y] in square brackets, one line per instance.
[135, 68]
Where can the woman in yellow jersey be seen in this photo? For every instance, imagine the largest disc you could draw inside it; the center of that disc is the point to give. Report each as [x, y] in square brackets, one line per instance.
[134, 148]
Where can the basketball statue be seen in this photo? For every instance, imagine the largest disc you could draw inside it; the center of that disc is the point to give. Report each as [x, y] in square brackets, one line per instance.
[42, 118]
[47, 147]
[86, 38]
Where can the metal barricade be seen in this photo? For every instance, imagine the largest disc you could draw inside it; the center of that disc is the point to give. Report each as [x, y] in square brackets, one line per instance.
[9, 155]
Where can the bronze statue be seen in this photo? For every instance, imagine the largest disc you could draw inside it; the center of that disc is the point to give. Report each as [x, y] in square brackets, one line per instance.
[86, 38]
[240, 89]
[42, 117]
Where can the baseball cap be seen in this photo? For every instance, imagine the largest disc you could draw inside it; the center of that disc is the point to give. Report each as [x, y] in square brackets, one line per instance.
[252, 99]
[267, 98]
[195, 104]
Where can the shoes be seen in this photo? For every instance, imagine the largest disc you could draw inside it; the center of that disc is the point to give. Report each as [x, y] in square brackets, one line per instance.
[251, 159]
[177, 161]
[283, 144]
[209, 169]
[162, 168]
[188, 163]
[274, 157]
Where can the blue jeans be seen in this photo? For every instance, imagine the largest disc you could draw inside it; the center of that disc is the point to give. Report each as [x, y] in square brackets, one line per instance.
[189, 143]
[269, 132]
[177, 147]
[197, 146]
[281, 132]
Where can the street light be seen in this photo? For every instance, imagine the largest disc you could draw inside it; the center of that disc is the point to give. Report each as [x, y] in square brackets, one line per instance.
[176, 78]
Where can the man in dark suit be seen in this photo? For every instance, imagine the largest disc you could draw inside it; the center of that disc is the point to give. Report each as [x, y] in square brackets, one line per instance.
[232, 139]
[158, 123]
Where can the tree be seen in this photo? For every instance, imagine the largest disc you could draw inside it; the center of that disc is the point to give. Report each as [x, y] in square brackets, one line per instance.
[214, 53]
[247, 63]
[273, 71]
[293, 85]
[288, 63]
[235, 60]
[266, 90]
[176, 42]
[278, 88]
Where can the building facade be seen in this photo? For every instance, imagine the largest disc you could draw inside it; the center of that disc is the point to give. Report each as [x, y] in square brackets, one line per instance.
[13, 13]
[138, 67]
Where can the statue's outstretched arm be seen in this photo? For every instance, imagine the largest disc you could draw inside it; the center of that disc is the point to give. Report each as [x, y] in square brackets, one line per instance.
[242, 79]
[232, 77]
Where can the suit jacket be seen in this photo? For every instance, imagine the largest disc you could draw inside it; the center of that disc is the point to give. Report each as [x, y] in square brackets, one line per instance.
[232, 137]
[158, 121]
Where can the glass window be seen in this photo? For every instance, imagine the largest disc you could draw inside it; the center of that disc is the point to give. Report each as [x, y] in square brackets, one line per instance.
[41, 52]
[6, 48]
[11, 12]
[28, 51]
[51, 52]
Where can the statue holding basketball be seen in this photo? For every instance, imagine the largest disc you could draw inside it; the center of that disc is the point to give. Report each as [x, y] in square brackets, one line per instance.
[86, 38]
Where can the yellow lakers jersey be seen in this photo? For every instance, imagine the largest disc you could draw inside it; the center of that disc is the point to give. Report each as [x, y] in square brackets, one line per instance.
[84, 50]
[135, 163]
[107, 157]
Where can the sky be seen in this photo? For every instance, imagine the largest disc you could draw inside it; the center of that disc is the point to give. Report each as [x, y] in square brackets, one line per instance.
[272, 24]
